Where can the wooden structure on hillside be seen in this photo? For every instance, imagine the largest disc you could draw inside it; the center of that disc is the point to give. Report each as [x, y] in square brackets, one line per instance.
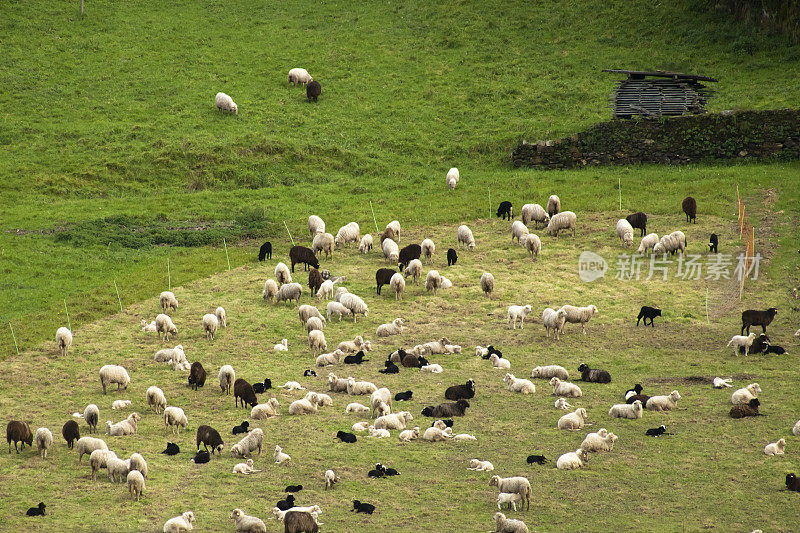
[659, 93]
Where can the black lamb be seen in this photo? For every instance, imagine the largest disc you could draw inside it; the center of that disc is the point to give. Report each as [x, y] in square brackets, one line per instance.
[594, 375]
[403, 396]
[37, 511]
[452, 257]
[458, 392]
[391, 368]
[657, 432]
[172, 449]
[286, 504]
[201, 457]
[638, 221]
[293, 488]
[412, 251]
[313, 90]
[505, 209]
[752, 317]
[309, 373]
[792, 483]
[538, 459]
[261, 388]
[713, 243]
[690, 208]
[265, 252]
[774, 348]
[356, 359]
[244, 427]
[383, 276]
[360, 507]
[303, 254]
[346, 437]
[648, 312]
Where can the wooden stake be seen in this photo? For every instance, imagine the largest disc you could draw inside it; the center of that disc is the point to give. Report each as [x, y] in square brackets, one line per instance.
[118, 298]
[67, 312]
[226, 253]
[81, 7]
[373, 217]
[287, 231]
[14, 337]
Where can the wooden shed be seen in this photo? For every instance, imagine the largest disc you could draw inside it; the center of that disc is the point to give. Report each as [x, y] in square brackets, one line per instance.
[659, 93]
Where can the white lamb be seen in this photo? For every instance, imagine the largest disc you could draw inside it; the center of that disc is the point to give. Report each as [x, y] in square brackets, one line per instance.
[446, 283]
[331, 358]
[740, 341]
[279, 456]
[515, 312]
[487, 284]
[647, 243]
[180, 524]
[250, 443]
[428, 249]
[114, 374]
[168, 301]
[330, 479]
[356, 407]
[381, 395]
[433, 281]
[148, 328]
[464, 236]
[315, 224]
[282, 274]
[663, 403]
[408, 435]
[518, 231]
[602, 441]
[264, 411]
[414, 269]
[378, 433]
[461, 437]
[222, 317]
[121, 404]
[226, 103]
[509, 500]
[360, 426]
[480, 466]
[564, 388]
[355, 305]
[432, 368]
[175, 419]
[745, 394]
[270, 290]
[437, 434]
[346, 234]
[720, 383]
[325, 290]
[282, 347]
[210, 325]
[165, 326]
[226, 378]
[397, 284]
[536, 213]
[624, 410]
[573, 460]
[245, 468]
[574, 420]
[562, 403]
[393, 328]
[336, 308]
[550, 371]
[499, 362]
[625, 232]
[366, 244]
[351, 346]
[301, 76]
[562, 221]
[155, 398]
[533, 244]
[390, 250]
[775, 448]
[323, 242]
[381, 409]
[518, 385]
[44, 440]
[63, 340]
[579, 315]
[451, 179]
[289, 292]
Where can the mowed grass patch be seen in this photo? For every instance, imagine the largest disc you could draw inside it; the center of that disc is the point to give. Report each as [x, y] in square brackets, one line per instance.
[709, 455]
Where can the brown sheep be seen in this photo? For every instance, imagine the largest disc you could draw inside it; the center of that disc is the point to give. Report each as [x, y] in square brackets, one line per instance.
[17, 431]
[314, 280]
[71, 433]
[299, 522]
[242, 390]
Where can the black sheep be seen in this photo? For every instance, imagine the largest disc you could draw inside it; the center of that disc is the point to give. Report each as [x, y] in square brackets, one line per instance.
[309, 373]
[690, 208]
[637, 389]
[201, 457]
[792, 483]
[377, 472]
[313, 90]
[197, 375]
[71, 432]
[641, 397]
[594, 375]
[713, 242]
[303, 254]
[293, 488]
[383, 276]
[538, 459]
[17, 431]
[171, 449]
[760, 344]
[638, 221]
[414, 361]
[447, 409]
[412, 251]
[391, 368]
[648, 312]
[752, 317]
[505, 209]
[363, 507]
[452, 257]
[458, 392]
[387, 471]
[657, 432]
[346, 437]
[774, 348]
[244, 427]
[243, 391]
[356, 359]
[37, 511]
[314, 280]
[206, 435]
[741, 410]
[261, 388]
[403, 396]
[446, 421]
[285, 505]
[265, 252]
[492, 350]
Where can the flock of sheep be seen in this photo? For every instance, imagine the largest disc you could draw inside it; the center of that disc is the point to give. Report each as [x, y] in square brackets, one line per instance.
[297, 76]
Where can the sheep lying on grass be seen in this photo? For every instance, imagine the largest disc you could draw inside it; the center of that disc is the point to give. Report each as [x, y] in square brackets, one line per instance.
[572, 460]
[498, 362]
[550, 371]
[508, 525]
[245, 468]
[775, 448]
[436, 434]
[564, 388]
[393, 328]
[573, 421]
[264, 411]
[180, 524]
[128, 426]
[602, 441]
[409, 434]
[246, 523]
[745, 394]
[481, 466]
[518, 385]
[249, 444]
[624, 410]
[663, 403]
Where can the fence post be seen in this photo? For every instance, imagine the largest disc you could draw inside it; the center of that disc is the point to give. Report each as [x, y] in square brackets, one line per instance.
[373, 217]
[287, 231]
[169, 276]
[14, 337]
[67, 312]
[226, 252]
[118, 298]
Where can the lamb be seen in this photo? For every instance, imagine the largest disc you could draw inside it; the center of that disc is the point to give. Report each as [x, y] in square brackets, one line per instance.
[118, 469]
[225, 103]
[579, 315]
[447, 410]
[349, 233]
[289, 292]
[336, 384]
[330, 479]
[663, 403]
[573, 421]
[518, 385]
[336, 308]
[263, 411]
[638, 221]
[446, 283]
[572, 460]
[323, 400]
[713, 244]
[71, 433]
[390, 250]
[129, 426]
[355, 388]
[175, 418]
[689, 206]
[464, 235]
[533, 244]
[44, 439]
[245, 468]
[740, 341]
[114, 374]
[535, 213]
[165, 326]
[775, 448]
[553, 206]
[463, 436]
[487, 284]
[561, 403]
[99, 459]
[366, 244]
[226, 378]
[602, 441]
[519, 231]
[566, 389]
[250, 443]
[720, 383]
[148, 328]
[300, 76]
[352, 346]
[518, 311]
[433, 281]
[398, 284]
[514, 485]
[381, 395]
[393, 421]
[270, 290]
[508, 525]
[265, 252]
[155, 397]
[355, 305]
[409, 434]
[63, 340]
[246, 523]
[648, 312]
[328, 359]
[92, 415]
[279, 456]
[566, 220]
[647, 243]
[745, 394]
[356, 407]
[325, 290]
[550, 371]
[624, 410]
[498, 362]
[480, 466]
[452, 257]
[180, 524]
[508, 499]
[752, 317]
[625, 232]
[451, 179]
[282, 274]
[435, 434]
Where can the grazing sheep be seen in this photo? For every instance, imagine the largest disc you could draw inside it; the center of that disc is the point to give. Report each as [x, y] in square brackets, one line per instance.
[208, 436]
[505, 209]
[518, 385]
[602, 441]
[451, 179]
[713, 244]
[250, 443]
[480, 466]
[165, 326]
[316, 341]
[246, 523]
[436, 434]
[336, 308]
[499, 362]
[452, 257]
[573, 420]
[264, 411]
[137, 462]
[210, 325]
[226, 104]
[550, 371]
[99, 459]
[638, 221]
[428, 249]
[118, 469]
[625, 232]
[533, 244]
[63, 340]
[752, 317]
[304, 255]
[514, 485]
[388, 233]
[393, 421]
[775, 448]
[304, 312]
[226, 378]
[745, 394]
[647, 243]
[689, 206]
[155, 397]
[129, 426]
[553, 206]
[390, 250]
[407, 254]
[300, 76]
[175, 418]
[315, 225]
[282, 274]
[741, 342]
[720, 383]
[44, 439]
[593, 375]
[648, 312]
[409, 434]
[535, 213]
[71, 433]
[561, 403]
[487, 284]
[554, 320]
[433, 281]
[114, 374]
[394, 225]
[519, 231]
[197, 375]
[315, 323]
[265, 252]
[279, 456]
[86, 445]
[414, 269]
[323, 242]
[315, 281]
[349, 233]
[447, 410]
[663, 403]
[464, 236]
[624, 410]
[518, 311]
[366, 244]
[92, 415]
[566, 389]
[330, 479]
[562, 221]
[289, 292]
[270, 290]
[180, 524]
[355, 305]
[336, 384]
[328, 359]
[398, 284]
[222, 317]
[572, 460]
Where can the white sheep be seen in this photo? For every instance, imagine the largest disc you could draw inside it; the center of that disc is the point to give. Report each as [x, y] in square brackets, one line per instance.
[393, 328]
[325, 290]
[602, 441]
[408, 435]
[572, 460]
[553, 205]
[428, 249]
[282, 347]
[250, 443]
[397, 284]
[550, 371]
[270, 290]
[355, 305]
[518, 385]
[574, 420]
[579, 315]
[679, 240]
[381, 408]
[437, 434]
[513, 485]
[356, 388]
[480, 466]
[168, 301]
[180, 524]
[518, 231]
[381, 395]
[327, 359]
[625, 232]
[330, 478]
[336, 384]
[564, 388]
[390, 250]
[349, 233]
[99, 459]
[464, 236]
[562, 221]
[165, 326]
[562, 403]
[796, 429]
[510, 500]
[624, 410]
[745, 394]
[118, 469]
[740, 341]
[394, 420]
[137, 462]
[366, 244]
[315, 323]
[433, 281]
[360, 426]
[175, 418]
[487, 284]
[121, 404]
[463, 437]
[432, 368]
[226, 103]
[246, 523]
[378, 433]
[316, 341]
[226, 378]
[336, 308]
[315, 225]
[554, 320]
[451, 179]
[114, 374]
[136, 484]
[356, 407]
[533, 244]
[536, 213]
[499, 362]
[291, 386]
[155, 398]
[301, 76]
[323, 400]
[222, 317]
[439, 346]
[647, 243]
[414, 269]
[351, 346]
[129, 426]
[289, 292]
[663, 403]
[775, 448]
[91, 414]
[264, 411]
[323, 242]
[446, 283]
[340, 291]
[86, 445]
[169, 354]
[63, 340]
[304, 406]
[515, 312]
[43, 439]
[394, 225]
[282, 274]
[245, 468]
[720, 383]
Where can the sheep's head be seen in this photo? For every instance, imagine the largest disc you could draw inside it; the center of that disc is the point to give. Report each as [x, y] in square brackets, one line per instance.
[471, 384]
[581, 412]
[499, 517]
[508, 377]
[637, 405]
[781, 443]
[754, 388]
[675, 396]
[790, 479]
[237, 513]
[188, 516]
[754, 403]
[751, 337]
[495, 482]
[553, 381]
[602, 432]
